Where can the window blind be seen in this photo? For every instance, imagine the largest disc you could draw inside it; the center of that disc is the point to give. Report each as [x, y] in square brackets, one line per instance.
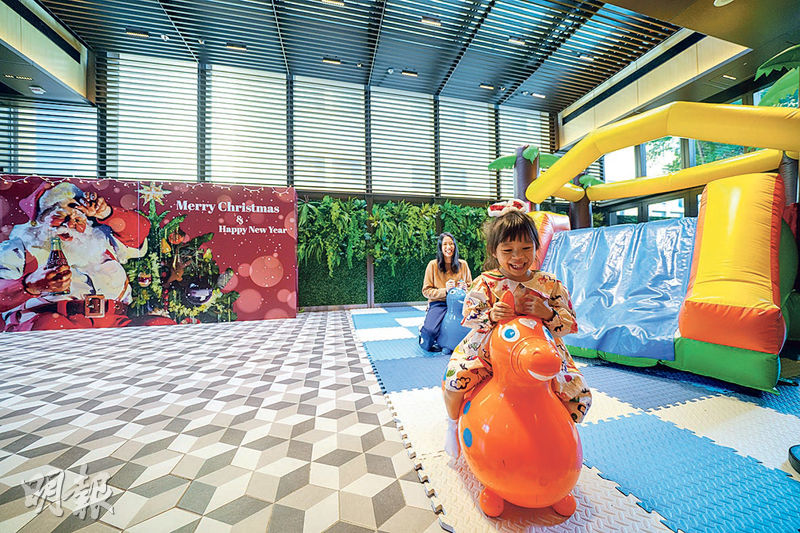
[519, 127]
[467, 146]
[328, 136]
[48, 138]
[246, 126]
[151, 106]
[402, 143]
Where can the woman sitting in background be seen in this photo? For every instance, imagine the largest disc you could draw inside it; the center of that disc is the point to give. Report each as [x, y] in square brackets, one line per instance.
[441, 275]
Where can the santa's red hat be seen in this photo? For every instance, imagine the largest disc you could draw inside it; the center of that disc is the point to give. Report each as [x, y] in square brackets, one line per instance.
[47, 195]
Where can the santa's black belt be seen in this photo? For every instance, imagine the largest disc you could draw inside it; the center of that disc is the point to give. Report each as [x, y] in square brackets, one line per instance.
[97, 309]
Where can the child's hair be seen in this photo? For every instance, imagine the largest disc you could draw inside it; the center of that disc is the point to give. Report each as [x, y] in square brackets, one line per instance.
[455, 266]
[511, 226]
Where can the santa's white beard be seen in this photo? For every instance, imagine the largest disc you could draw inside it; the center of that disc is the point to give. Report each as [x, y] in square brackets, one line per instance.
[85, 249]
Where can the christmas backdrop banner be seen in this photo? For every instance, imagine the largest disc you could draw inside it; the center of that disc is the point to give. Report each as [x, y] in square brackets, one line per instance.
[106, 253]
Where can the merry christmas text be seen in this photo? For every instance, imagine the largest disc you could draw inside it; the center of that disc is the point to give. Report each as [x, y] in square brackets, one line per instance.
[225, 207]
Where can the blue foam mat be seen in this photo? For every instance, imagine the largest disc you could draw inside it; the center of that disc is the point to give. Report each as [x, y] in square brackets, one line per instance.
[413, 311]
[695, 484]
[396, 349]
[383, 320]
[414, 373]
[636, 387]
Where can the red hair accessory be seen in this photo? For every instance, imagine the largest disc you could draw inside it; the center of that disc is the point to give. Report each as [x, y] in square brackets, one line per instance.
[501, 208]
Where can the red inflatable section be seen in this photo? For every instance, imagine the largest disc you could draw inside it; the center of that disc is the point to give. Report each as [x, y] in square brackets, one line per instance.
[547, 224]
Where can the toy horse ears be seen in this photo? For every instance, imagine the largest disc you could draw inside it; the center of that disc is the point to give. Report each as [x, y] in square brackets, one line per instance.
[508, 299]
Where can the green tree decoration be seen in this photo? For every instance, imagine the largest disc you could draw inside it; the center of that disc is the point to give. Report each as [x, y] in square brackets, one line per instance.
[177, 278]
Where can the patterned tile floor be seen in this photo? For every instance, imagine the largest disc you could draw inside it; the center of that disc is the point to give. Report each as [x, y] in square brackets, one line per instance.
[273, 426]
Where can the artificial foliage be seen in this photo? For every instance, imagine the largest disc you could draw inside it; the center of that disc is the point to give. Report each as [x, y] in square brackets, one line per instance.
[332, 231]
[177, 277]
[465, 223]
[402, 231]
[347, 286]
[405, 285]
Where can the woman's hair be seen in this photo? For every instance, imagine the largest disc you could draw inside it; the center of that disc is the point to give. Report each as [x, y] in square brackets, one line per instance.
[512, 226]
[454, 263]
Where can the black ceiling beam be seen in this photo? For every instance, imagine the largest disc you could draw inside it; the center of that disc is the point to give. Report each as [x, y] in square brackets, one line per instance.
[466, 43]
[551, 44]
[177, 30]
[374, 32]
[280, 38]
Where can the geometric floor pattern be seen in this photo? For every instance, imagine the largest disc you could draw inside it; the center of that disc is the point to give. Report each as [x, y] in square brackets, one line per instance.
[276, 425]
[663, 450]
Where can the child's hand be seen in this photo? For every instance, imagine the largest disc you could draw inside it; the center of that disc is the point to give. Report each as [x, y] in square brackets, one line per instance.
[535, 306]
[450, 284]
[501, 311]
[462, 284]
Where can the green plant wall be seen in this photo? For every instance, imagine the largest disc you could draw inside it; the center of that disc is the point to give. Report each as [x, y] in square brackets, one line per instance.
[404, 286]
[347, 286]
[465, 223]
[331, 252]
[335, 236]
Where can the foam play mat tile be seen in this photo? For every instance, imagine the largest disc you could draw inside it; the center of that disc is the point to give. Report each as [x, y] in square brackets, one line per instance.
[695, 484]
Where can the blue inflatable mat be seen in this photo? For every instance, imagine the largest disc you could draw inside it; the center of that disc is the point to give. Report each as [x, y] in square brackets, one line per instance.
[627, 284]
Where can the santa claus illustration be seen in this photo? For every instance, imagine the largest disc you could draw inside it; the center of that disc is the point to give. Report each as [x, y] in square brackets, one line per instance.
[91, 290]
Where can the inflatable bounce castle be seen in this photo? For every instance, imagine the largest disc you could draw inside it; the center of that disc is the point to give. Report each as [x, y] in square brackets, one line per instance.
[712, 295]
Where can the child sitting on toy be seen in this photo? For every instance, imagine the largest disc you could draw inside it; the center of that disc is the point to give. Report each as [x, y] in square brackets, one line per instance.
[443, 273]
[511, 243]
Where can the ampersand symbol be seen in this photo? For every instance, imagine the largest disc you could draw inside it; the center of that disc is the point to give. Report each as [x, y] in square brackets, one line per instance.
[239, 219]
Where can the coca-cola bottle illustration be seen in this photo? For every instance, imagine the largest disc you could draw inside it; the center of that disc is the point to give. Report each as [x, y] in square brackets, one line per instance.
[57, 258]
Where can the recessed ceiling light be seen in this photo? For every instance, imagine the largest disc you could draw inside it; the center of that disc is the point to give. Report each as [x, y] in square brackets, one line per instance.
[728, 77]
[137, 33]
[200, 41]
[431, 21]
[8, 75]
[337, 3]
[525, 93]
[390, 70]
[586, 57]
[359, 65]
[722, 3]
[537, 95]
[35, 89]
[237, 46]
[410, 73]
[24, 78]
[516, 40]
[502, 88]
[486, 86]
[165, 37]
[331, 61]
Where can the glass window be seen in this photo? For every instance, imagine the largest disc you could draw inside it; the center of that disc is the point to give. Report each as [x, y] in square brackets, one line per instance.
[152, 118]
[519, 127]
[706, 152]
[467, 146]
[329, 145]
[402, 143]
[665, 210]
[247, 133]
[624, 216]
[663, 156]
[619, 165]
[48, 138]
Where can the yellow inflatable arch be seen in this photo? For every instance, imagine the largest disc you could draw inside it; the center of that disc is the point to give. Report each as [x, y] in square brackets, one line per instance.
[776, 128]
